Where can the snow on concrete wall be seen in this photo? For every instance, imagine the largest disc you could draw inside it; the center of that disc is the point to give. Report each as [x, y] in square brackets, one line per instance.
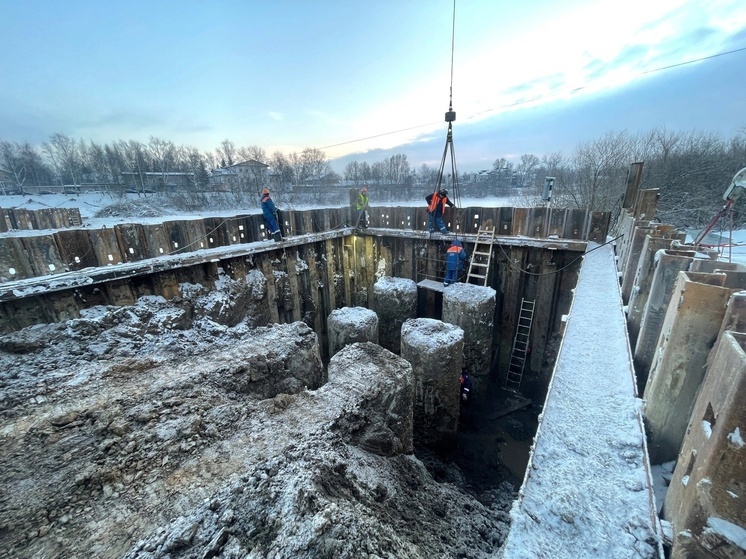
[394, 301]
[349, 325]
[472, 308]
[436, 351]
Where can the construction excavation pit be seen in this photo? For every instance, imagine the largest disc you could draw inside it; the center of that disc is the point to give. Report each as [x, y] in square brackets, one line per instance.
[250, 398]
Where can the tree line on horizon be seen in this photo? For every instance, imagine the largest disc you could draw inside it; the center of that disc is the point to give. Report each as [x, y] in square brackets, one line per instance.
[691, 169]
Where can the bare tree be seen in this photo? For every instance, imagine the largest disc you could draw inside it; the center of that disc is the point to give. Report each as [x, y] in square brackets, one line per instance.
[252, 153]
[298, 169]
[163, 156]
[64, 155]
[427, 176]
[136, 157]
[354, 172]
[281, 168]
[525, 170]
[39, 172]
[502, 170]
[226, 153]
[398, 169]
[315, 163]
[12, 161]
[600, 171]
[378, 171]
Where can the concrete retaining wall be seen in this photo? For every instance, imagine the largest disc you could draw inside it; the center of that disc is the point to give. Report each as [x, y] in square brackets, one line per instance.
[707, 491]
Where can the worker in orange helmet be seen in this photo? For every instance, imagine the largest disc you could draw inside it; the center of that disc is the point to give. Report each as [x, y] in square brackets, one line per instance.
[270, 215]
[362, 204]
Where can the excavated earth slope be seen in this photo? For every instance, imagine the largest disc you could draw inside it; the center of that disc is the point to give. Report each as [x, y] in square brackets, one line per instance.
[156, 431]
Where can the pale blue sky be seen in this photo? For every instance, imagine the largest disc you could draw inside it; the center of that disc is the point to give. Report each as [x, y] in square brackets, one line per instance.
[286, 75]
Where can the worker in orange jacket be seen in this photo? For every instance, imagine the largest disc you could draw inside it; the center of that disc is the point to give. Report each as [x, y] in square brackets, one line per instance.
[436, 205]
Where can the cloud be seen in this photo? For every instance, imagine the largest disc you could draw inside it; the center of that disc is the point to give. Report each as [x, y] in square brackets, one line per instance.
[706, 96]
[276, 116]
[323, 117]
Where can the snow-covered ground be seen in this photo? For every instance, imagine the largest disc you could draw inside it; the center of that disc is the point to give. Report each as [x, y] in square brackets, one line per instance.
[732, 245]
[91, 203]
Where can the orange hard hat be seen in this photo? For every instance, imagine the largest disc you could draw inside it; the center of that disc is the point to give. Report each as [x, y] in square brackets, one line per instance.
[265, 191]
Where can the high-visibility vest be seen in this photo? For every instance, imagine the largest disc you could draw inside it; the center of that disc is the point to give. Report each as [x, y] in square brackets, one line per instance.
[435, 200]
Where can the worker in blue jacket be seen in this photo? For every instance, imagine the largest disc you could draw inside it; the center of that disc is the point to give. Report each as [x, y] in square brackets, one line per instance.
[270, 215]
[455, 258]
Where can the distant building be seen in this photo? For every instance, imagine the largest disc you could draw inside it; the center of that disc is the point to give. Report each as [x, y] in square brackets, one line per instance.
[240, 176]
[157, 182]
[6, 178]
[327, 179]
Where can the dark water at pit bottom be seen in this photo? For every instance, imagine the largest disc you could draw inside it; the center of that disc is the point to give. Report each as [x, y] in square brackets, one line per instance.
[491, 446]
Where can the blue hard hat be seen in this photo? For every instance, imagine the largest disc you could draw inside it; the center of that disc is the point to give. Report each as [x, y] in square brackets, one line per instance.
[456, 243]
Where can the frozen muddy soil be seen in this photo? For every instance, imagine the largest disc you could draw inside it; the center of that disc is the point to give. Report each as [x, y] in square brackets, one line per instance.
[154, 431]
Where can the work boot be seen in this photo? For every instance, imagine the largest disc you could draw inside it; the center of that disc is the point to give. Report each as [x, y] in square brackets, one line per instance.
[277, 236]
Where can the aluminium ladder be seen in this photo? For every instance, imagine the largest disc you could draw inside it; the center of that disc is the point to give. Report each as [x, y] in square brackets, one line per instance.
[479, 265]
[520, 345]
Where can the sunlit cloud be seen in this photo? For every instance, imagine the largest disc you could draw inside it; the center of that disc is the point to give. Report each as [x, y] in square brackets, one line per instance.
[592, 51]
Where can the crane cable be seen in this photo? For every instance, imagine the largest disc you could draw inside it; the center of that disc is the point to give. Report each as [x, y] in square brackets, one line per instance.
[450, 117]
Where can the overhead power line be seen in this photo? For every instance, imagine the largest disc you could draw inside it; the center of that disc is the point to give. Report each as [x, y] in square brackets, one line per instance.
[537, 98]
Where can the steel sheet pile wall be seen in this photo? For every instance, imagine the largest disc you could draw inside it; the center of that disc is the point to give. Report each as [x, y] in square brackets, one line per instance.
[50, 218]
[686, 320]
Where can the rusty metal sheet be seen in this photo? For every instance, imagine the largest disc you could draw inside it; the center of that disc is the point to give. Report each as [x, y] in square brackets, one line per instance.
[505, 222]
[156, 238]
[520, 222]
[288, 223]
[73, 217]
[536, 222]
[634, 177]
[43, 255]
[557, 222]
[237, 233]
[45, 219]
[76, 249]
[405, 217]
[14, 264]
[472, 220]
[178, 238]
[421, 224]
[599, 226]
[575, 224]
[6, 224]
[60, 218]
[132, 243]
[246, 226]
[25, 219]
[490, 217]
[105, 246]
[216, 232]
[195, 232]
